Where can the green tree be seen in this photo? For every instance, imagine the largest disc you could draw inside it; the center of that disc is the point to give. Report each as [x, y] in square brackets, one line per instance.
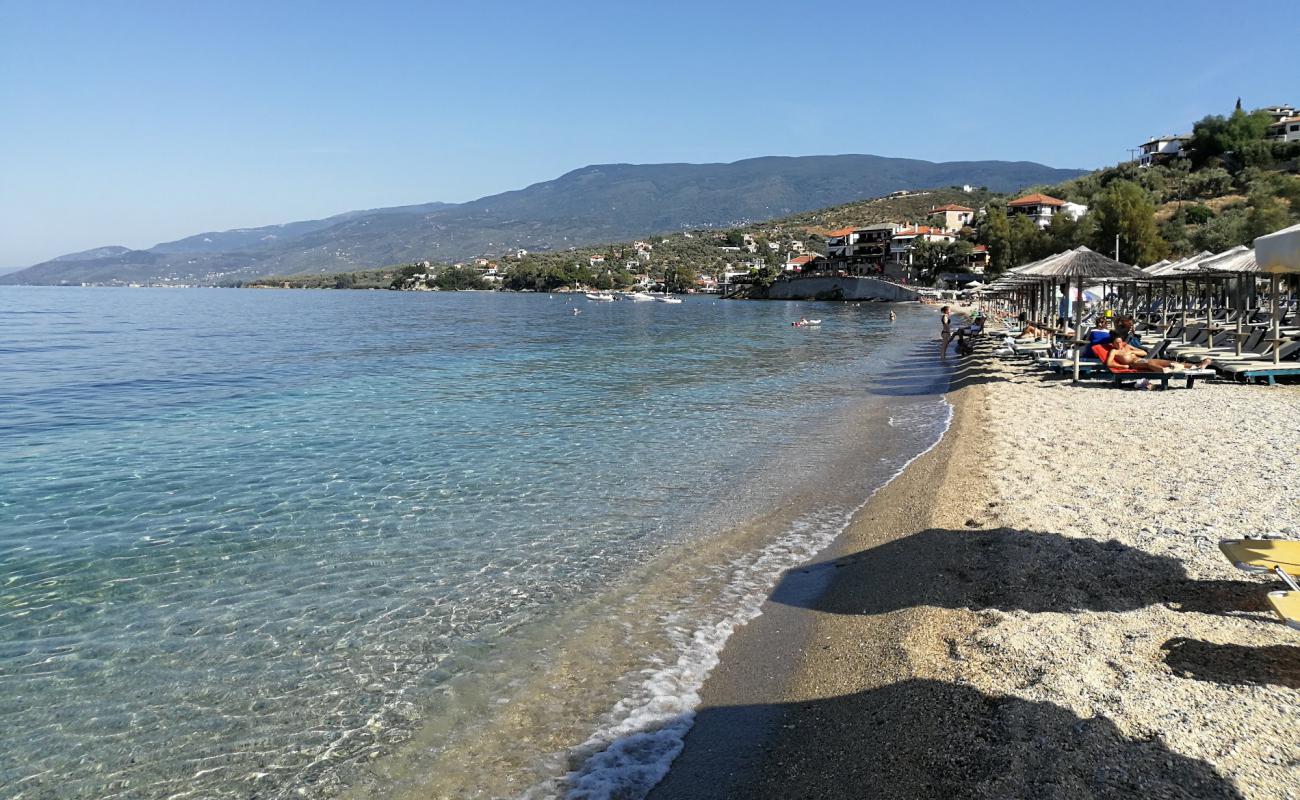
[1124, 209]
[1065, 233]
[1208, 182]
[995, 231]
[457, 278]
[1028, 241]
[1237, 139]
[1267, 214]
[1224, 231]
[1198, 214]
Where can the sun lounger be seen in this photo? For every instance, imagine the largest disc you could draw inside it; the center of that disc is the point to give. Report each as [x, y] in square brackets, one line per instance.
[1248, 345]
[1263, 555]
[1280, 557]
[1287, 349]
[1287, 607]
[1266, 370]
[1124, 375]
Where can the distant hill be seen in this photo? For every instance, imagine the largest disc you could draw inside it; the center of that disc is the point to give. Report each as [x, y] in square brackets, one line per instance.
[98, 252]
[599, 203]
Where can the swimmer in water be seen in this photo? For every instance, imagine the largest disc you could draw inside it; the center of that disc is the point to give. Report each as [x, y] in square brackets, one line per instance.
[892, 315]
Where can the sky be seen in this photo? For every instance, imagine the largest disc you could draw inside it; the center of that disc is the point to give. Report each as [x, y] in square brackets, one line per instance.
[132, 123]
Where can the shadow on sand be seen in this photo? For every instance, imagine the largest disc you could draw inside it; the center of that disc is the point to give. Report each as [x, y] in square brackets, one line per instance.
[1277, 664]
[928, 739]
[1009, 569]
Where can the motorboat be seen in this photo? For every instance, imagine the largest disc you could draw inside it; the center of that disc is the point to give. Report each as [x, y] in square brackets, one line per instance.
[600, 296]
[638, 297]
[663, 298]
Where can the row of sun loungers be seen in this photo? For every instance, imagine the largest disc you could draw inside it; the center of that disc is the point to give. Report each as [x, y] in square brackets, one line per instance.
[1255, 360]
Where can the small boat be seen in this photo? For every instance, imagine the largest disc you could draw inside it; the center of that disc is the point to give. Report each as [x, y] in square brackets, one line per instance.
[638, 297]
[600, 296]
[663, 298]
[807, 323]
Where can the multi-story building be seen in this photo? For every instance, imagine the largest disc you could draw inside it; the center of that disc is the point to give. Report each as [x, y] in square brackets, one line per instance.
[902, 242]
[1286, 129]
[859, 250]
[1038, 207]
[952, 217]
[1279, 113]
[1159, 149]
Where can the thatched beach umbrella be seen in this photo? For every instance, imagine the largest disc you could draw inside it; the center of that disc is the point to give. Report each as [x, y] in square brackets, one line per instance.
[1275, 254]
[1080, 265]
[1237, 262]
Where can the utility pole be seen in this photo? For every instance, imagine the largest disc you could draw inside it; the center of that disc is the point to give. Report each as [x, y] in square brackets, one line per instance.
[1117, 247]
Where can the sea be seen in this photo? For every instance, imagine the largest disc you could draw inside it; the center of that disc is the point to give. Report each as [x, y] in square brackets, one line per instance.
[365, 544]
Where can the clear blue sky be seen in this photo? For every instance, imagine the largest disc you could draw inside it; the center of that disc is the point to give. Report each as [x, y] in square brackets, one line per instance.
[137, 122]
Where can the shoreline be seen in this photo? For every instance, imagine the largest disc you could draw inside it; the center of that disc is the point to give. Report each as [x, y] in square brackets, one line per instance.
[989, 627]
[793, 655]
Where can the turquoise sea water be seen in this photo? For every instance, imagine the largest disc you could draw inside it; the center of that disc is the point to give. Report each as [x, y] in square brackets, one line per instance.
[285, 544]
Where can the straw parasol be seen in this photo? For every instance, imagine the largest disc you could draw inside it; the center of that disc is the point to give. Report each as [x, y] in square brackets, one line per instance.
[1275, 254]
[1082, 264]
[1237, 262]
[1239, 259]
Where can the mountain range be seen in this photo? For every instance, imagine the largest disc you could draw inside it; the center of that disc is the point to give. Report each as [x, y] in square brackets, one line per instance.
[594, 204]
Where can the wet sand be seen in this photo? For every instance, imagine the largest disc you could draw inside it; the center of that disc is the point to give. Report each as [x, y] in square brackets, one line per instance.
[990, 626]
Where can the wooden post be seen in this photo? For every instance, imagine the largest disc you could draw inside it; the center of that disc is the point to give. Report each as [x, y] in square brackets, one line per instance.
[1277, 320]
[1078, 325]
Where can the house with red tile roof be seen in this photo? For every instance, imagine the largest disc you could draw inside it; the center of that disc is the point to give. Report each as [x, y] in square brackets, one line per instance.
[1038, 207]
[799, 263]
[951, 216]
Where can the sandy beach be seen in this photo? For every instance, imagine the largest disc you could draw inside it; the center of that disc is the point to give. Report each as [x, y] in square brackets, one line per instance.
[1035, 608]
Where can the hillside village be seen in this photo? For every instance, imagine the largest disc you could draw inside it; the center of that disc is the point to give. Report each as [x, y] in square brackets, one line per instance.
[1230, 179]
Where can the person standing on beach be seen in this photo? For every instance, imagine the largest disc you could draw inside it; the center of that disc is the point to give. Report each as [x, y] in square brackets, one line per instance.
[945, 335]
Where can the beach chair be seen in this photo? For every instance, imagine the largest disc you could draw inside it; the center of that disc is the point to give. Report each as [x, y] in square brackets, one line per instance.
[1123, 375]
[1264, 555]
[1248, 345]
[1280, 557]
[1287, 607]
[1266, 371]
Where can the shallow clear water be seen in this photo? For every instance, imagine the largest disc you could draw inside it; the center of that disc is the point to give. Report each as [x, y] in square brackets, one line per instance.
[253, 540]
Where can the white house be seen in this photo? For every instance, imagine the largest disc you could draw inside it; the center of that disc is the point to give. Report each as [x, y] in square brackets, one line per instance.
[1161, 148]
[1285, 130]
[1279, 113]
[1038, 207]
[1074, 210]
[902, 242]
[798, 263]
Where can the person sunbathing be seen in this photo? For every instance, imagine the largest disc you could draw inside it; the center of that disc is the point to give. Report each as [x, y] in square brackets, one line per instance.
[1030, 333]
[1121, 354]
